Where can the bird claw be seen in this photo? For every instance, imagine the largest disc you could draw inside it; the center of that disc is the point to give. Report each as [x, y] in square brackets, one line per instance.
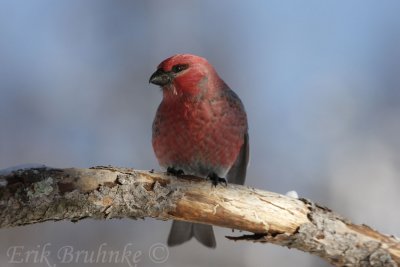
[215, 180]
[175, 172]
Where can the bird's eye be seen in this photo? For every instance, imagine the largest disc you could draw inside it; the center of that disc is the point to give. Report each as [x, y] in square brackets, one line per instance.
[179, 68]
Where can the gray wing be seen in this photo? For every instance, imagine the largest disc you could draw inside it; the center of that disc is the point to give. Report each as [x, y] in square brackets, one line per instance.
[237, 173]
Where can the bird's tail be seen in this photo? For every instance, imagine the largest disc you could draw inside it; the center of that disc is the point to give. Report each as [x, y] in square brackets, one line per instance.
[184, 231]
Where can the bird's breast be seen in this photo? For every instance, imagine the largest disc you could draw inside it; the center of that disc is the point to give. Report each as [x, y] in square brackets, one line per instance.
[197, 137]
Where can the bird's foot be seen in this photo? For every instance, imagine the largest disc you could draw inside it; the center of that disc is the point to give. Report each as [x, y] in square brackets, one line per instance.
[173, 171]
[215, 179]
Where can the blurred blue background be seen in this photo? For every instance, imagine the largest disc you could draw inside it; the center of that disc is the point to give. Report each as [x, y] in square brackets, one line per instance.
[320, 81]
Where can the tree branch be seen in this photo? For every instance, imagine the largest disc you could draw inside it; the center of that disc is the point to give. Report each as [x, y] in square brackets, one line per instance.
[41, 194]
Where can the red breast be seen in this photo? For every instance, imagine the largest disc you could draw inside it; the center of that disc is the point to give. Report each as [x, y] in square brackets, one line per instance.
[206, 132]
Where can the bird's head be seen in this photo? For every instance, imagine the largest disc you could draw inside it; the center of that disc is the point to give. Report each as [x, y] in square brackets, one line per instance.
[185, 75]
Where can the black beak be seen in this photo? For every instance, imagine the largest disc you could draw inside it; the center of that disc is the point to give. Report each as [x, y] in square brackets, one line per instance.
[161, 78]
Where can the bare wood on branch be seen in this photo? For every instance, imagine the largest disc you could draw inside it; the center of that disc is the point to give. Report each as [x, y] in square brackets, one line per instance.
[40, 194]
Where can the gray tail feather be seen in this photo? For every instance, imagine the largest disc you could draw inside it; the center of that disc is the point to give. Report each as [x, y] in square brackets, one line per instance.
[184, 231]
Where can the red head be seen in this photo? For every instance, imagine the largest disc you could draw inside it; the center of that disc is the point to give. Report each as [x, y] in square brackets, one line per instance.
[185, 75]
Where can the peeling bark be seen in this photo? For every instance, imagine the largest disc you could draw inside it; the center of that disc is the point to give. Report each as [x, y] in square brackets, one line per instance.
[41, 194]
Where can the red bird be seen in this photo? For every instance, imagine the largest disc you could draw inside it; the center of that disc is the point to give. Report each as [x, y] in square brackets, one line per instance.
[200, 129]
